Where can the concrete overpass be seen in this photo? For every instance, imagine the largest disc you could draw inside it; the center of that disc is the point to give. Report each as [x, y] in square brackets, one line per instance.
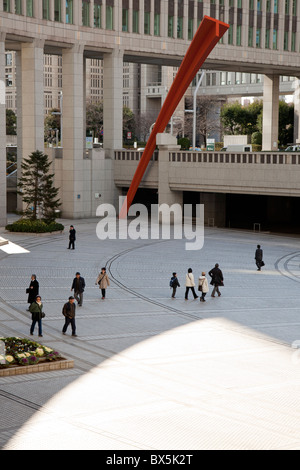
[152, 31]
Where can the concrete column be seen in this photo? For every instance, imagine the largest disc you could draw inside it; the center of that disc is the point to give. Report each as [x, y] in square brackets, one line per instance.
[2, 133]
[73, 123]
[166, 143]
[30, 100]
[113, 100]
[297, 111]
[270, 112]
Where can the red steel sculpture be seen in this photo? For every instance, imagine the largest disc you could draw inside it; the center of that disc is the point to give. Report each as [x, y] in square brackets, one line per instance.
[208, 34]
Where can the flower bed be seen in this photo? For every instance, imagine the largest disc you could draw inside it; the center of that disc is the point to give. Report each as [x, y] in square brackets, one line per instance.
[21, 353]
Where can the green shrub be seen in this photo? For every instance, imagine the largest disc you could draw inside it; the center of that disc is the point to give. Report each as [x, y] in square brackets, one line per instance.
[34, 226]
[185, 143]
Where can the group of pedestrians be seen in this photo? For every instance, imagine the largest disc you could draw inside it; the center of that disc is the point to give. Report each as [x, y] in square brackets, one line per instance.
[69, 308]
[78, 286]
[217, 280]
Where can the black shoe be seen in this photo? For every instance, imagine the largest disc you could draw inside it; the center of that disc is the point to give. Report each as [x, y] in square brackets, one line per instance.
[74, 335]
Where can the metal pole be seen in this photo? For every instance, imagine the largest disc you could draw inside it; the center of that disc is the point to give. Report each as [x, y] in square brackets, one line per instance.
[195, 108]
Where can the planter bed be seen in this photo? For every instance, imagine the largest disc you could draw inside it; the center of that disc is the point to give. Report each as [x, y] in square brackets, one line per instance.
[40, 367]
[23, 356]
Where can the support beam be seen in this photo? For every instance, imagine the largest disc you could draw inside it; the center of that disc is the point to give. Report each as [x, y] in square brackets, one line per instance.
[270, 112]
[2, 133]
[205, 39]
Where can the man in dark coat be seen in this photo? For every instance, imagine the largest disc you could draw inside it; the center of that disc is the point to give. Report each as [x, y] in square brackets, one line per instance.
[216, 279]
[69, 313]
[33, 289]
[258, 258]
[78, 286]
[72, 238]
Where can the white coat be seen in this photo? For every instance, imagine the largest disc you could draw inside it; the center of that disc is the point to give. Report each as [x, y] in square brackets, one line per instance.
[189, 280]
[203, 282]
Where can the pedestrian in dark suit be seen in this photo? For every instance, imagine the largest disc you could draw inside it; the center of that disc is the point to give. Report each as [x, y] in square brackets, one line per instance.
[68, 311]
[78, 286]
[72, 238]
[259, 258]
[216, 279]
[33, 289]
[36, 309]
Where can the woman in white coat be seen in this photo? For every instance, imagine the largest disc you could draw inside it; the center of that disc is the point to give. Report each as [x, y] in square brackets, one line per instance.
[190, 284]
[203, 286]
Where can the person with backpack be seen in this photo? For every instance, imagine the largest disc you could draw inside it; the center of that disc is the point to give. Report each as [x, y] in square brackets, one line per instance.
[190, 284]
[174, 283]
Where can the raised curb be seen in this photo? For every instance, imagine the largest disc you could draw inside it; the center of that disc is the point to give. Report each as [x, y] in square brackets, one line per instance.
[44, 367]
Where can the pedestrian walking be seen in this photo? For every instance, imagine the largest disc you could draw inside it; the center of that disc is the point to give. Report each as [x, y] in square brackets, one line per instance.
[216, 279]
[190, 284]
[78, 285]
[69, 310]
[259, 258]
[32, 290]
[36, 309]
[203, 286]
[103, 281]
[72, 238]
[174, 283]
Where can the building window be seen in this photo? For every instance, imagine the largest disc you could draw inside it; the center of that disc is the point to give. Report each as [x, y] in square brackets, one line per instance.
[29, 8]
[170, 26]
[251, 4]
[156, 24]
[268, 5]
[275, 34]
[85, 13]
[267, 41]
[294, 8]
[190, 29]
[6, 5]
[240, 3]
[250, 36]
[18, 7]
[9, 79]
[180, 28]
[239, 35]
[293, 42]
[97, 15]
[109, 17]
[258, 5]
[258, 37]
[8, 59]
[46, 10]
[230, 34]
[287, 7]
[147, 22]
[125, 19]
[135, 21]
[69, 11]
[275, 6]
[286, 41]
[57, 10]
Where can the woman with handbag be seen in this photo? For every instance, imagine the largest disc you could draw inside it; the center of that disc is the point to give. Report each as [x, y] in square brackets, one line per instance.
[203, 286]
[103, 282]
[32, 290]
[36, 309]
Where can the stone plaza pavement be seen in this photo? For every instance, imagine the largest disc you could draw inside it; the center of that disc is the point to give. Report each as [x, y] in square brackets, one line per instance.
[152, 372]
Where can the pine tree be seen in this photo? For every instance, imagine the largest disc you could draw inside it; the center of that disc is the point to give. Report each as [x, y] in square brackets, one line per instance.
[37, 189]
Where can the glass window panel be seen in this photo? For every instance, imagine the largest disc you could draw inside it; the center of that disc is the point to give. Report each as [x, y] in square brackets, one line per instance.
[135, 21]
[156, 24]
[46, 10]
[57, 10]
[147, 22]
[109, 17]
[18, 7]
[69, 11]
[85, 13]
[97, 16]
[29, 8]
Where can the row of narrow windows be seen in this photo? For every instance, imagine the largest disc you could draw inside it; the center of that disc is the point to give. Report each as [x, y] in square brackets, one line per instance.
[258, 35]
